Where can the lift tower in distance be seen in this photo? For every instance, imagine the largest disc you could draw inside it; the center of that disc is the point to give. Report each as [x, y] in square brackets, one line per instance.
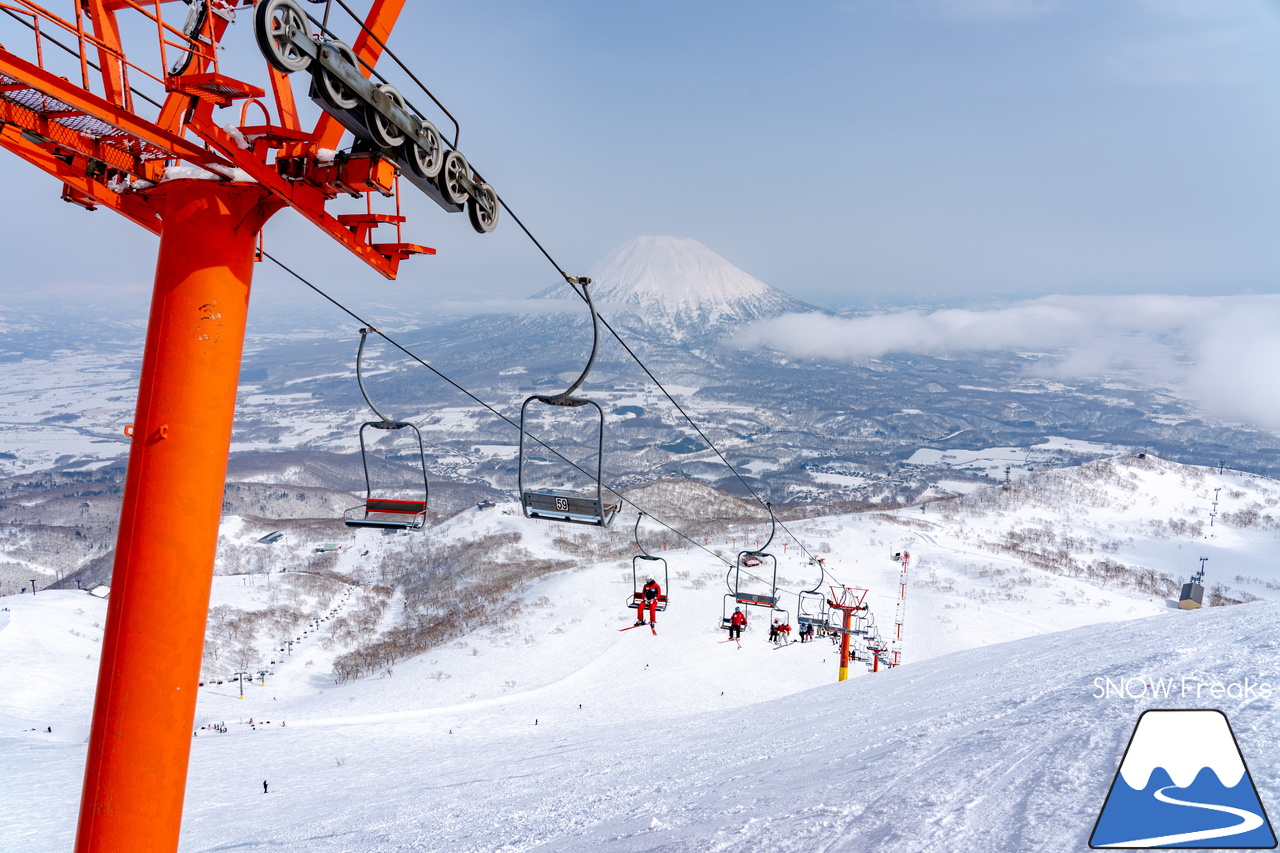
[849, 601]
[135, 132]
[900, 614]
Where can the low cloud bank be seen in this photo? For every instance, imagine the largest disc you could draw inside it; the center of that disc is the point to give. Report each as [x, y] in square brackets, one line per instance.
[1221, 352]
[471, 307]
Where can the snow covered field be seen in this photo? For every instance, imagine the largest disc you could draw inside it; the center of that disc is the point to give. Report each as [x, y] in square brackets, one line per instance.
[555, 731]
[1005, 748]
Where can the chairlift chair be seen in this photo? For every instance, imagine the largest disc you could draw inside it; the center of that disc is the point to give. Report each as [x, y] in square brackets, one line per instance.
[752, 560]
[637, 585]
[730, 604]
[864, 623]
[811, 604]
[811, 608]
[551, 504]
[386, 513]
[756, 599]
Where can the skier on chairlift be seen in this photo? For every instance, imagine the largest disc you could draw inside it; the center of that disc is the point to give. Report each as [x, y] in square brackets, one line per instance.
[737, 622]
[648, 598]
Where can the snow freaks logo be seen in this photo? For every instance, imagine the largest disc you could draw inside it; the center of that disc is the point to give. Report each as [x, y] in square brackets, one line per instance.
[1141, 687]
[1183, 784]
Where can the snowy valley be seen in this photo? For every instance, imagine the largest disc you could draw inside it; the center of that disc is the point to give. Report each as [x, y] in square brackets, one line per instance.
[537, 725]
[474, 687]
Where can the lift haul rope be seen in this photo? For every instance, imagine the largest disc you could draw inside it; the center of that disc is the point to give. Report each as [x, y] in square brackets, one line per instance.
[573, 284]
[340, 306]
[570, 280]
[472, 396]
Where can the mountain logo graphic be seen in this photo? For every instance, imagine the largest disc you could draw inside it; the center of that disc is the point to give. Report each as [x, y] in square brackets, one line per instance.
[1183, 784]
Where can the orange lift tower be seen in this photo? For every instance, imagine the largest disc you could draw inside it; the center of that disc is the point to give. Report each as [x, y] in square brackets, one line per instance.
[139, 137]
[848, 601]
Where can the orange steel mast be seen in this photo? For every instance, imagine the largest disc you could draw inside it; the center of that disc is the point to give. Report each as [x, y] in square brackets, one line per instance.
[87, 130]
[145, 702]
[848, 601]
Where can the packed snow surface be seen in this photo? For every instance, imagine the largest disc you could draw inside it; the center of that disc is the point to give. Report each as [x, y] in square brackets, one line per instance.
[1006, 748]
[555, 731]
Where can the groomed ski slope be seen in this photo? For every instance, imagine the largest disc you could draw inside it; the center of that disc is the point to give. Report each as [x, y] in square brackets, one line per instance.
[1003, 748]
[554, 731]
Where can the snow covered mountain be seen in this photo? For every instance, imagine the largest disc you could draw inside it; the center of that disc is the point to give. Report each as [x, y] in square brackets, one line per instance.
[679, 290]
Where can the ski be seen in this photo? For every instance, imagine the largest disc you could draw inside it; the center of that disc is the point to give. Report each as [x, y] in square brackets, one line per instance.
[641, 625]
[654, 629]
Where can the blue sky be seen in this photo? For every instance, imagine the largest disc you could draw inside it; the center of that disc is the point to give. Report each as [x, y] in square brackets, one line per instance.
[959, 149]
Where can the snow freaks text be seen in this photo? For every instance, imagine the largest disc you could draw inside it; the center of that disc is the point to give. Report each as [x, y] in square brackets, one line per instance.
[1183, 687]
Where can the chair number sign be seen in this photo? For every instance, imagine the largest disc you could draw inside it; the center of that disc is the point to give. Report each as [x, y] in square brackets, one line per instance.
[562, 504]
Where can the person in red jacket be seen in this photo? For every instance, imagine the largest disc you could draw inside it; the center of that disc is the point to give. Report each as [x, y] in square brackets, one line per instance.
[737, 622]
[648, 597]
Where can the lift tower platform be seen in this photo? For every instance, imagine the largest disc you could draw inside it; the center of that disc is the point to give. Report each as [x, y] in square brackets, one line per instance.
[134, 132]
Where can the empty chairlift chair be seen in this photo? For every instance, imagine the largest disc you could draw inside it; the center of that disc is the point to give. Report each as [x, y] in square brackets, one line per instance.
[811, 609]
[556, 504]
[405, 512]
[811, 604]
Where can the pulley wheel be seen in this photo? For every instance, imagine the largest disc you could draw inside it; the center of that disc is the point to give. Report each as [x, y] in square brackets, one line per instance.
[483, 220]
[335, 92]
[383, 130]
[272, 22]
[425, 152]
[451, 177]
[191, 28]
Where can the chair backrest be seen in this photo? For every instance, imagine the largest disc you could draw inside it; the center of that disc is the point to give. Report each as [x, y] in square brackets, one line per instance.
[393, 505]
[563, 506]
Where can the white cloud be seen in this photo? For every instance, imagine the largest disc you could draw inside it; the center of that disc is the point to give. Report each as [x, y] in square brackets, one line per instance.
[1197, 41]
[1237, 368]
[509, 306]
[1221, 352]
[1215, 56]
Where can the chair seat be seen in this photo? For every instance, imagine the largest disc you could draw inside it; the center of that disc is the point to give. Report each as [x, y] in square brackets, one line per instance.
[557, 505]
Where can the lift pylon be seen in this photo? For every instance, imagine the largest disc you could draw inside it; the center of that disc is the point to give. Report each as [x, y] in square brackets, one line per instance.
[143, 140]
[849, 601]
[140, 739]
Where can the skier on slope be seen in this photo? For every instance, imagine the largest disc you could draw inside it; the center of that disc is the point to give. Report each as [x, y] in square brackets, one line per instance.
[648, 597]
[737, 622]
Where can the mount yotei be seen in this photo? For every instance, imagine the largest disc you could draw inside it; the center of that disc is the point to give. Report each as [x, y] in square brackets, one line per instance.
[887, 429]
[674, 290]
